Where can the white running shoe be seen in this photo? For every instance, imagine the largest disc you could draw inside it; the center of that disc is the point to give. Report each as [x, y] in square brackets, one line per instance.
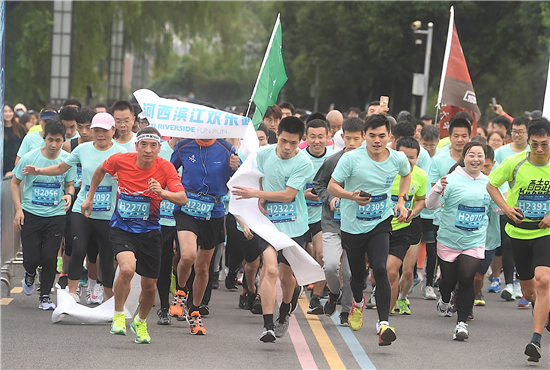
[429, 293]
[443, 309]
[517, 289]
[98, 294]
[508, 293]
[461, 331]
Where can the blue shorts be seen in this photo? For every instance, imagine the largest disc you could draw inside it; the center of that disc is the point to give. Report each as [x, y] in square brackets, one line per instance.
[485, 263]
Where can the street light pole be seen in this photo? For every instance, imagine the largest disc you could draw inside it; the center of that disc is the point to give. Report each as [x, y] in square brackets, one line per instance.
[427, 58]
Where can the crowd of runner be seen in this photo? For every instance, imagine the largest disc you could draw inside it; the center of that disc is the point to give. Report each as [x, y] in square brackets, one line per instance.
[381, 203]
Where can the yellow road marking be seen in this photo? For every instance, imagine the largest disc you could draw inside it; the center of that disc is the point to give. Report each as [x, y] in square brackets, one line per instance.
[5, 301]
[330, 353]
[17, 289]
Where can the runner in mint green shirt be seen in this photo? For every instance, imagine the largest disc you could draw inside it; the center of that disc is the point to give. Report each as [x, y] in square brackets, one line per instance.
[286, 170]
[90, 155]
[40, 217]
[519, 140]
[317, 151]
[367, 209]
[528, 209]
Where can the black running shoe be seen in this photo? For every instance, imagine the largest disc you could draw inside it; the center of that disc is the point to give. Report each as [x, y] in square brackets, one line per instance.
[243, 301]
[315, 307]
[330, 305]
[256, 308]
[164, 316]
[231, 280]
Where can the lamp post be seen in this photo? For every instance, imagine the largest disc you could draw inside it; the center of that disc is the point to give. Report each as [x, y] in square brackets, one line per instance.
[425, 77]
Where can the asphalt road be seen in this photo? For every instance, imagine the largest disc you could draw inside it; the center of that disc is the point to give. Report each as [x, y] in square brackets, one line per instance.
[424, 340]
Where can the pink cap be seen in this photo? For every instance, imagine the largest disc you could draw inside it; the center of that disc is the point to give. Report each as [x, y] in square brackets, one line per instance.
[103, 120]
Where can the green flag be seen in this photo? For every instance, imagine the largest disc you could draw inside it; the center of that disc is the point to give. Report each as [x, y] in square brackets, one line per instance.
[272, 75]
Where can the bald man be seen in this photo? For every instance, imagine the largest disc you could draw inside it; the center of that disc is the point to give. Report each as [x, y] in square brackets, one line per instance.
[335, 119]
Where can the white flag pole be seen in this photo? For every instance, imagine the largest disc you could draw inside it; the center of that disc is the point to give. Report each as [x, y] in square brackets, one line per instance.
[546, 104]
[263, 62]
[446, 58]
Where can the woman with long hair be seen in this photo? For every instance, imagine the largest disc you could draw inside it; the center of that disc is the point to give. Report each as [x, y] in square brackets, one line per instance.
[13, 135]
[464, 202]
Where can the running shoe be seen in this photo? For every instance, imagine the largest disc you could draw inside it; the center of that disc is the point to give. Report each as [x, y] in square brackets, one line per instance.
[417, 280]
[59, 264]
[177, 309]
[89, 296]
[479, 300]
[139, 328]
[523, 303]
[63, 281]
[517, 289]
[243, 301]
[28, 283]
[281, 328]
[470, 316]
[195, 323]
[45, 303]
[98, 294]
[216, 280]
[204, 310]
[83, 278]
[386, 335]
[295, 295]
[403, 307]
[461, 331]
[310, 287]
[532, 350]
[78, 293]
[231, 280]
[495, 286]
[508, 293]
[429, 293]
[38, 282]
[315, 307]
[257, 305]
[443, 309]
[164, 316]
[454, 295]
[344, 319]
[371, 303]
[268, 336]
[330, 305]
[355, 318]
[118, 326]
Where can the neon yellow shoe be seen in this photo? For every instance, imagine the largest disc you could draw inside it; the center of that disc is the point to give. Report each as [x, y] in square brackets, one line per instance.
[59, 264]
[355, 318]
[140, 329]
[403, 307]
[119, 324]
[386, 335]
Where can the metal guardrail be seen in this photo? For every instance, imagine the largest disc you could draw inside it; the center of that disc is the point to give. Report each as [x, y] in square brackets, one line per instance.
[10, 246]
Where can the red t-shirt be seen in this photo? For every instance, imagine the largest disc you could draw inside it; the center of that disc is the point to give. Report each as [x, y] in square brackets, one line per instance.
[138, 208]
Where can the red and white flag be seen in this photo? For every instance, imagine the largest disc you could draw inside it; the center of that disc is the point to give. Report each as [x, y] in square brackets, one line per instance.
[456, 92]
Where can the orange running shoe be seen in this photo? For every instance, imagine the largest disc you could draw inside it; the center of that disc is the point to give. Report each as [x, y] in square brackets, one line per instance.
[177, 308]
[195, 323]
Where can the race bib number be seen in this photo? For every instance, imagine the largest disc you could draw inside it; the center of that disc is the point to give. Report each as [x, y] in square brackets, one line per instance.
[312, 203]
[408, 203]
[199, 206]
[46, 193]
[534, 206]
[374, 210]
[133, 207]
[102, 198]
[281, 212]
[167, 209]
[78, 178]
[469, 218]
[337, 216]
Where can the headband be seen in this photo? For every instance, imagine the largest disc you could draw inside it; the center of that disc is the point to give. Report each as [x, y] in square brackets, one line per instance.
[148, 136]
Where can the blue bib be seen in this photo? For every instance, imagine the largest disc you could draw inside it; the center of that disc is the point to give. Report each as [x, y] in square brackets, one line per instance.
[46, 193]
[78, 177]
[199, 206]
[534, 206]
[469, 218]
[133, 207]
[337, 217]
[395, 198]
[281, 212]
[102, 198]
[374, 210]
[312, 203]
[167, 209]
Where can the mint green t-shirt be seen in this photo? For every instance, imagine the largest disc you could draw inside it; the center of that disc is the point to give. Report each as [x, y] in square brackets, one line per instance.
[128, 145]
[289, 218]
[359, 172]
[42, 194]
[90, 159]
[417, 188]
[493, 230]
[529, 189]
[167, 207]
[465, 206]
[506, 151]
[440, 166]
[314, 209]
[30, 142]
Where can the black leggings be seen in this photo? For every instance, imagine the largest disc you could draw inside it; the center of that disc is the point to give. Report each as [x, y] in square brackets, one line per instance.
[84, 229]
[165, 274]
[461, 271]
[431, 258]
[377, 247]
[235, 247]
[507, 254]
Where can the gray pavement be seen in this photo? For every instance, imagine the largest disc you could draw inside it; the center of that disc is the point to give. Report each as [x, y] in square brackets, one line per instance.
[424, 341]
